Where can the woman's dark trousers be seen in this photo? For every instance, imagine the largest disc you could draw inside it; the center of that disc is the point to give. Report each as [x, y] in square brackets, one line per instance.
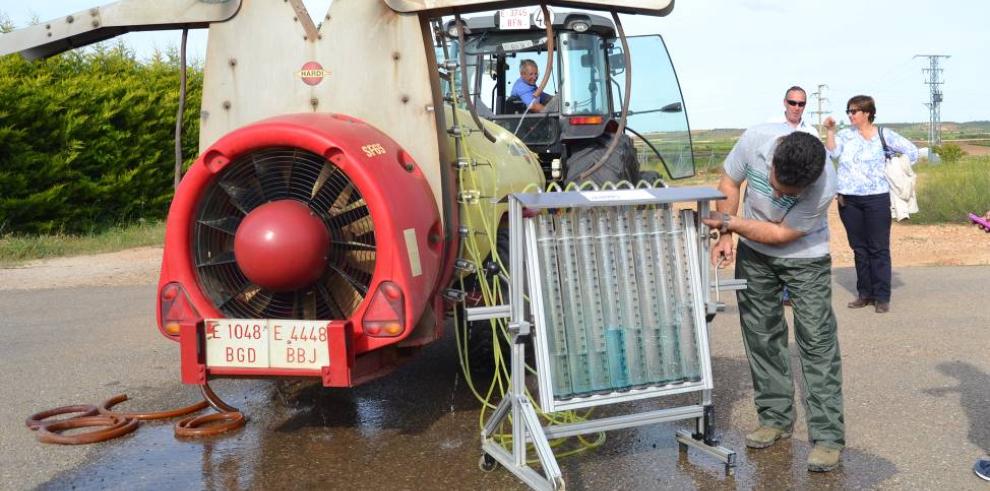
[867, 221]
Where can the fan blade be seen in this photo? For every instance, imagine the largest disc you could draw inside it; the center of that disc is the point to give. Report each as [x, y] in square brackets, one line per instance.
[226, 225]
[308, 305]
[361, 260]
[350, 212]
[358, 228]
[350, 245]
[226, 257]
[242, 198]
[336, 311]
[361, 285]
[270, 176]
[251, 295]
[325, 173]
[340, 204]
[346, 295]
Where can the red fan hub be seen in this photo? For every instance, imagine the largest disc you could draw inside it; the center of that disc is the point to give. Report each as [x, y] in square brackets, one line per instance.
[282, 246]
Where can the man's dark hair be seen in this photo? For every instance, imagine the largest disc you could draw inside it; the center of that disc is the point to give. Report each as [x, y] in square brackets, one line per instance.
[864, 103]
[798, 160]
[792, 89]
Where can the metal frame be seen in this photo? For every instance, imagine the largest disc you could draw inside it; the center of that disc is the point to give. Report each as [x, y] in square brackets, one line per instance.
[526, 427]
[547, 400]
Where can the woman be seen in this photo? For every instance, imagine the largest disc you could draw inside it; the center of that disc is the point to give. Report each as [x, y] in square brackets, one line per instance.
[864, 197]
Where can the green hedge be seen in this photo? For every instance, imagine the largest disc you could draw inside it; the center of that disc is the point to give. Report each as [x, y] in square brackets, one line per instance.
[87, 139]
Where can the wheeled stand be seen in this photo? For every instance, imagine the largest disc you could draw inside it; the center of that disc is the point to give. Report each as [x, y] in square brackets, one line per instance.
[517, 411]
[517, 405]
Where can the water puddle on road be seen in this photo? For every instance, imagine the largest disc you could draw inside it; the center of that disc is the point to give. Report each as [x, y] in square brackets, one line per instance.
[418, 428]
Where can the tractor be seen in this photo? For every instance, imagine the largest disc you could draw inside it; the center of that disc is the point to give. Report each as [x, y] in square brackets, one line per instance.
[587, 75]
[343, 188]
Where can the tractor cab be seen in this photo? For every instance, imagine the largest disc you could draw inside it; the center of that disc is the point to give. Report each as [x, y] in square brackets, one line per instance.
[586, 85]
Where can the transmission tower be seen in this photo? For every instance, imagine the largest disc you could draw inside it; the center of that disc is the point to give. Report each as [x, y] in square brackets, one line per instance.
[819, 95]
[934, 82]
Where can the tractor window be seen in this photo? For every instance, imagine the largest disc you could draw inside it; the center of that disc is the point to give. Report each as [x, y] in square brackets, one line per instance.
[474, 80]
[656, 108]
[582, 58]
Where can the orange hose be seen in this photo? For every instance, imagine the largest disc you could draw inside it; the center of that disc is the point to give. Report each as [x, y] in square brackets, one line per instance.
[36, 420]
[224, 422]
[114, 426]
[104, 409]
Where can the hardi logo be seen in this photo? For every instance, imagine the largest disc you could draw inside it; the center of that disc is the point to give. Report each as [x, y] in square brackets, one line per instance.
[312, 73]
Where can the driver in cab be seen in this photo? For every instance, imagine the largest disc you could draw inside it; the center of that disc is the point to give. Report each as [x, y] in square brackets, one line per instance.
[526, 90]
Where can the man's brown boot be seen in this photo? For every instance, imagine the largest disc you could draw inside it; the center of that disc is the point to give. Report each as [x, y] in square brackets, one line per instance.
[860, 303]
[823, 458]
[764, 436]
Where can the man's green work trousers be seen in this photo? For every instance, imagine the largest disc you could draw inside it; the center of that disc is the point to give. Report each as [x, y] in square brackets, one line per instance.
[809, 282]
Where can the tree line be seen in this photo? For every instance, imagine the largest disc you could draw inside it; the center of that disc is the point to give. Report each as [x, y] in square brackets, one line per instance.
[87, 138]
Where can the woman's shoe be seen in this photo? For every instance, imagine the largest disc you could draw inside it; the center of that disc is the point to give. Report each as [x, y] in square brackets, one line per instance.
[982, 469]
[860, 303]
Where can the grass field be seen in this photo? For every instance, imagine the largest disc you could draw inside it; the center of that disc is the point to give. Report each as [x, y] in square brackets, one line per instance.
[947, 192]
[18, 249]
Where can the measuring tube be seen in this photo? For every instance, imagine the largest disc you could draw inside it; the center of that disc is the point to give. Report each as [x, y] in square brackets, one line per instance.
[609, 281]
[686, 338]
[553, 307]
[666, 292]
[591, 293]
[648, 260]
[579, 345]
[628, 292]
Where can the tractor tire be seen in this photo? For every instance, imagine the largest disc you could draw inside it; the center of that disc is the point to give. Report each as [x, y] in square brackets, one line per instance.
[621, 164]
[484, 341]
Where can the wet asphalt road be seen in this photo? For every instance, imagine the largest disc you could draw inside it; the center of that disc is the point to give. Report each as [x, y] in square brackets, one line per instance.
[917, 395]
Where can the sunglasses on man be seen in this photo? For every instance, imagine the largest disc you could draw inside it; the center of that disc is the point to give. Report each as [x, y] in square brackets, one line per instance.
[797, 103]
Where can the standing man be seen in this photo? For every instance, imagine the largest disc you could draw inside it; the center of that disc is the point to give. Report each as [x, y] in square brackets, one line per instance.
[795, 99]
[525, 87]
[784, 242]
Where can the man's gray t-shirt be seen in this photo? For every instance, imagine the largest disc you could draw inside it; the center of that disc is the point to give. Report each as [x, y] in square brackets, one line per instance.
[750, 160]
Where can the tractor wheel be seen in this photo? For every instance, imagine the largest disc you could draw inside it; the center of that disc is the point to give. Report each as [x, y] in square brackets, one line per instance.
[621, 164]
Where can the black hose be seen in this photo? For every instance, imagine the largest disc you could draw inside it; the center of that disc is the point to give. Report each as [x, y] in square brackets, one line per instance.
[550, 48]
[625, 102]
[462, 61]
[181, 111]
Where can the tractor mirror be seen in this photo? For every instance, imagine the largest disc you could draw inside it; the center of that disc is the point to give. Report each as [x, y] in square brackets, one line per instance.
[617, 62]
[673, 107]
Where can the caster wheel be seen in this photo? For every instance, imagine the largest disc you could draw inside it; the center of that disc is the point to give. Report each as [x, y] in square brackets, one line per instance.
[487, 463]
[730, 470]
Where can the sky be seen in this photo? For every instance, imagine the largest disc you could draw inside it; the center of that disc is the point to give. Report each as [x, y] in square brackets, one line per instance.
[735, 58]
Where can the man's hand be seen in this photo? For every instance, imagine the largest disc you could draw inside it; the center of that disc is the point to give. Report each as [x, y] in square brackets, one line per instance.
[722, 250]
[717, 220]
[723, 247]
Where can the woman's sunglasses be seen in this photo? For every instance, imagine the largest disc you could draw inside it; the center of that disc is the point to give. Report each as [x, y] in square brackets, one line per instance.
[853, 111]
